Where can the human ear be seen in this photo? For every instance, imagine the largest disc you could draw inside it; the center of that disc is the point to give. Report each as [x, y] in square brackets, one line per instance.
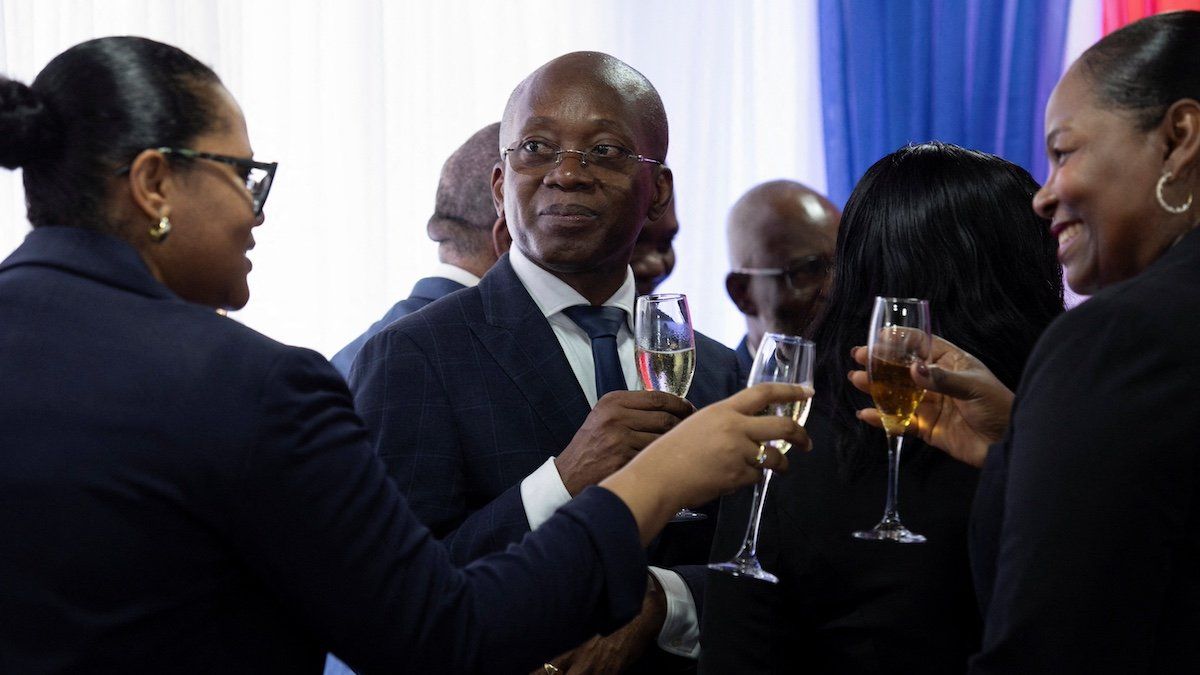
[498, 189]
[1181, 125]
[738, 288]
[501, 237]
[151, 183]
[664, 190]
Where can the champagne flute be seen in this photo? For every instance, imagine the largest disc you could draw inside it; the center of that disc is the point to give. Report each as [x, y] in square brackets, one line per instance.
[666, 352]
[780, 358]
[899, 337]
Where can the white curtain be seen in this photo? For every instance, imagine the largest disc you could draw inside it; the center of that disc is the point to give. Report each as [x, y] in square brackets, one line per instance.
[360, 101]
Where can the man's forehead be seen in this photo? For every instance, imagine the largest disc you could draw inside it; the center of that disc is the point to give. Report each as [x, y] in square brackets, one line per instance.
[591, 88]
[597, 120]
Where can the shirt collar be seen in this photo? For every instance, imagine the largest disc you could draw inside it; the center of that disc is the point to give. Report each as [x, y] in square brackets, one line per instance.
[552, 295]
[454, 273]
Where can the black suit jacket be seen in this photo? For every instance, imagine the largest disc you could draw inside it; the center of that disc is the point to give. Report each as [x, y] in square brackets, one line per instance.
[844, 605]
[471, 394]
[1084, 535]
[181, 494]
[424, 292]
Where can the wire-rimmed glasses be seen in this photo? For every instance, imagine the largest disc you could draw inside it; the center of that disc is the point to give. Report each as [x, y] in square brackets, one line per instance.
[537, 156]
[799, 274]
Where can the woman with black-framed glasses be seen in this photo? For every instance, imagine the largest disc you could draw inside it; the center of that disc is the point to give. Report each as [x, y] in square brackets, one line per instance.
[181, 494]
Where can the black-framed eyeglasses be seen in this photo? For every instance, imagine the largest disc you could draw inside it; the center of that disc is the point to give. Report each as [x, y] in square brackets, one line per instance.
[806, 271]
[258, 176]
[538, 156]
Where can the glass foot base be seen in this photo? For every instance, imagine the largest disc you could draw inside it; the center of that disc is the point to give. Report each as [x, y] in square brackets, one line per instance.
[745, 568]
[687, 515]
[891, 532]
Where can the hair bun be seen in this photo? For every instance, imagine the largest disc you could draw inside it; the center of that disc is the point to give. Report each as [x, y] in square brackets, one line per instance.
[24, 124]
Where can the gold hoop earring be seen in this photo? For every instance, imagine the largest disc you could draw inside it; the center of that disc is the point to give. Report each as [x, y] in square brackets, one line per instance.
[1158, 192]
[160, 231]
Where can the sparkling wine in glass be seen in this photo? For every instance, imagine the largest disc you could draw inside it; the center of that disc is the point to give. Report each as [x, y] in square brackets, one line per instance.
[780, 358]
[665, 347]
[899, 337]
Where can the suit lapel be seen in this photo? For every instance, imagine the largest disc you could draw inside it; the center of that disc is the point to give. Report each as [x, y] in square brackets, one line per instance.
[523, 344]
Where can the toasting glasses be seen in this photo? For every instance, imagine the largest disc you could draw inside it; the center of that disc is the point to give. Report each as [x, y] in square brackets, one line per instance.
[666, 351]
[780, 358]
[899, 337]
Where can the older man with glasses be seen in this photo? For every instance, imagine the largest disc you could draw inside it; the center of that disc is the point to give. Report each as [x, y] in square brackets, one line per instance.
[781, 241]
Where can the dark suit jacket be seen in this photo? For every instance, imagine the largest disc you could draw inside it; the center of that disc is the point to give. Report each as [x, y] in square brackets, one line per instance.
[1084, 533]
[744, 358]
[471, 394]
[181, 494]
[844, 605]
[424, 292]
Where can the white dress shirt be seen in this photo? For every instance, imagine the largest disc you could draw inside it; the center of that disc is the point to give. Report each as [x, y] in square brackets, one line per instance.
[543, 491]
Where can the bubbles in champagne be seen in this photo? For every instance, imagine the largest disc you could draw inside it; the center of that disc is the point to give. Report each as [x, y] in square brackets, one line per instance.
[669, 371]
[894, 392]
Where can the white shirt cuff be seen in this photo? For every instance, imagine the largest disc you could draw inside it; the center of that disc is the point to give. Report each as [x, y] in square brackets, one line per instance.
[680, 633]
[542, 492]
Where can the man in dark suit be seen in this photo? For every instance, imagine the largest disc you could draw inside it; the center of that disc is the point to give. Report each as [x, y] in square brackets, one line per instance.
[781, 241]
[470, 238]
[489, 407]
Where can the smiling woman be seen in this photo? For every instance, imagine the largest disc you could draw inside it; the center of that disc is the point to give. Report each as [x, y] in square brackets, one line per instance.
[1083, 528]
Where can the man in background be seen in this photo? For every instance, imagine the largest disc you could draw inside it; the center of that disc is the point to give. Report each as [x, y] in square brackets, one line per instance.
[464, 224]
[654, 253]
[782, 236]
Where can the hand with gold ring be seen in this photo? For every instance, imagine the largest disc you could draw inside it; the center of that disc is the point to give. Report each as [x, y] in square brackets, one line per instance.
[720, 446]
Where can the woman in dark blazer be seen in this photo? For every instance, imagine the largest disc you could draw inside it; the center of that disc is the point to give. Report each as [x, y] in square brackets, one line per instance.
[933, 221]
[1084, 531]
[181, 494]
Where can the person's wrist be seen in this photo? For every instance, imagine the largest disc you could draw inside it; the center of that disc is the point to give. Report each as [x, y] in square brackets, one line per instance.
[567, 478]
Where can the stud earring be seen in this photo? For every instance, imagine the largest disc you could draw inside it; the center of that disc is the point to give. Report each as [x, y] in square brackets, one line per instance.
[1158, 192]
[160, 231]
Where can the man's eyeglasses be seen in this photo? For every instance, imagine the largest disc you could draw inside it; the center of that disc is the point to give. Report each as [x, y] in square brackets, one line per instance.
[539, 156]
[807, 271]
[258, 176]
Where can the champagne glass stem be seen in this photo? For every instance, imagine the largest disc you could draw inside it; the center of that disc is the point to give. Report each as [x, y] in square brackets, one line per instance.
[891, 516]
[749, 550]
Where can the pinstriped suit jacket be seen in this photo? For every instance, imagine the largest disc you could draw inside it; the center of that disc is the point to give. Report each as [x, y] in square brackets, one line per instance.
[468, 396]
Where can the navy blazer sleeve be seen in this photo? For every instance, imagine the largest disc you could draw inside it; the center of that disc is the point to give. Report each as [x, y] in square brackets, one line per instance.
[1099, 515]
[316, 518]
[399, 391]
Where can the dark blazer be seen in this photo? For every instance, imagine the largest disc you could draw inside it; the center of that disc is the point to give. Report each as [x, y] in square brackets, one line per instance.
[181, 494]
[744, 358]
[845, 605]
[424, 292]
[467, 397]
[1084, 533]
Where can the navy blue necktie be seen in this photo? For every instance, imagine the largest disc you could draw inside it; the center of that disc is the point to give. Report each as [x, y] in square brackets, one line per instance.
[602, 324]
